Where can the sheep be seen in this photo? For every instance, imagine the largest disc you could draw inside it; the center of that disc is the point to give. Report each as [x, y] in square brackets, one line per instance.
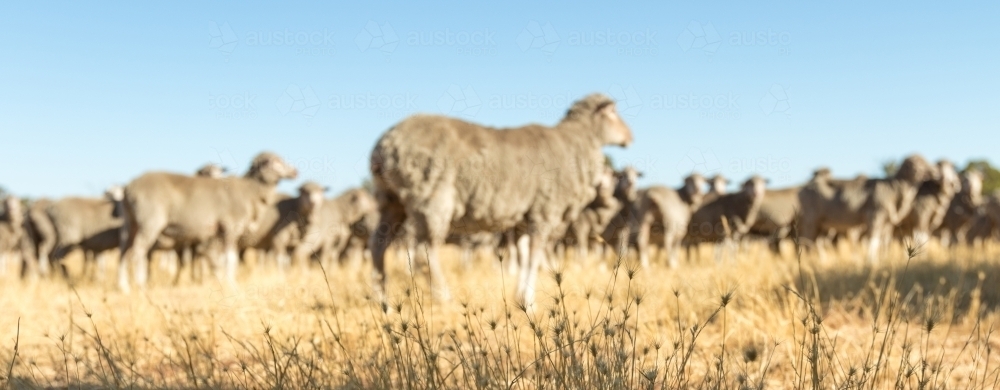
[962, 209]
[595, 218]
[618, 232]
[328, 229]
[442, 175]
[357, 247]
[716, 187]
[875, 205]
[211, 170]
[776, 216]
[728, 217]
[280, 224]
[11, 231]
[930, 205]
[90, 224]
[41, 238]
[181, 254]
[196, 209]
[667, 211]
[986, 223]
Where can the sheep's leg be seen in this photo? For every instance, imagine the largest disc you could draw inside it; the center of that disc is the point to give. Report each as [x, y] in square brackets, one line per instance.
[102, 266]
[44, 250]
[622, 242]
[88, 264]
[185, 264]
[582, 245]
[439, 287]
[642, 241]
[142, 271]
[774, 241]
[136, 252]
[598, 249]
[873, 247]
[166, 260]
[283, 259]
[389, 220]
[466, 257]
[946, 239]
[232, 260]
[529, 272]
[669, 244]
[523, 251]
[202, 265]
[560, 250]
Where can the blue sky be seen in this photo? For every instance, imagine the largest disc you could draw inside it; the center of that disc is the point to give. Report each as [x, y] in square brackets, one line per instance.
[95, 95]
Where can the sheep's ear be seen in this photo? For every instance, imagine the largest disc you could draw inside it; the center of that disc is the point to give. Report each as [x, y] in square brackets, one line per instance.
[607, 109]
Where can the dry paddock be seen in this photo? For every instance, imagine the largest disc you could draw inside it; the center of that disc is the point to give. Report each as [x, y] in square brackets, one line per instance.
[751, 321]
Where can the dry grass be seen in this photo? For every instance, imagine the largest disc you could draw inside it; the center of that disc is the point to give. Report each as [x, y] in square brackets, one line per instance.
[755, 322]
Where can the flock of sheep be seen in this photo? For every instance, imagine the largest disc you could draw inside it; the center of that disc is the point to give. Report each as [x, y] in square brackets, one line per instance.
[528, 192]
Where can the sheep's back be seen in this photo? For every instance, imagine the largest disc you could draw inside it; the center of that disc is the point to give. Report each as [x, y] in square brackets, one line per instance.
[497, 175]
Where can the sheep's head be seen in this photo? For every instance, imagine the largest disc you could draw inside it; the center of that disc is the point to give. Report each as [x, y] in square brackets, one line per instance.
[915, 169]
[993, 208]
[269, 168]
[694, 184]
[311, 197]
[211, 170]
[718, 184]
[115, 193]
[946, 174]
[12, 206]
[360, 203]
[602, 113]
[606, 183]
[821, 174]
[627, 183]
[972, 185]
[755, 187]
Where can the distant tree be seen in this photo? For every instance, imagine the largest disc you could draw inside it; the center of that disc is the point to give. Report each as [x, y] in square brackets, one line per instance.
[609, 162]
[991, 175]
[368, 185]
[3, 192]
[890, 167]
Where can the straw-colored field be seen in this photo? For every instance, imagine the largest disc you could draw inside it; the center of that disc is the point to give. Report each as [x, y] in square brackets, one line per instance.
[756, 321]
